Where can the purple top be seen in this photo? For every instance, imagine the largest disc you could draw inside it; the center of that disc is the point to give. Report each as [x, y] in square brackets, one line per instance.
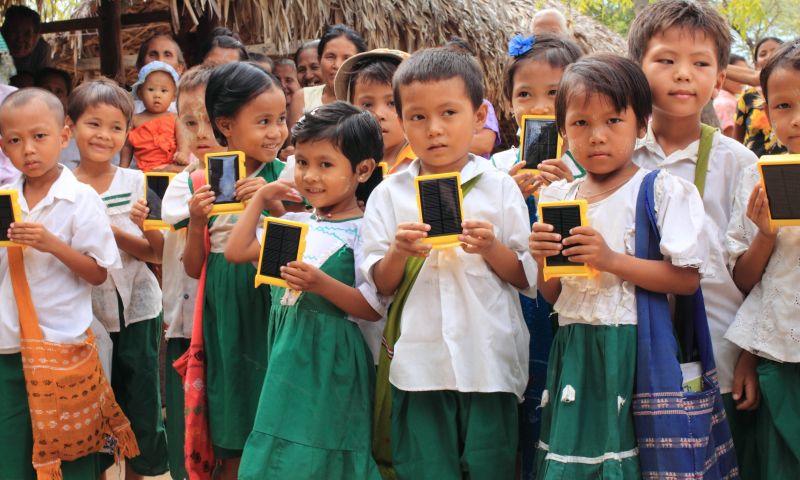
[491, 122]
[7, 171]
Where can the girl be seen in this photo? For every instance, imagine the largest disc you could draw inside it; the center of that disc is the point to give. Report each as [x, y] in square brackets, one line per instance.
[531, 81]
[152, 136]
[337, 44]
[247, 110]
[128, 303]
[314, 416]
[602, 107]
[764, 262]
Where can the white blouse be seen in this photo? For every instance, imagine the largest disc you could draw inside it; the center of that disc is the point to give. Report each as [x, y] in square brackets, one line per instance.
[74, 213]
[606, 299]
[462, 325]
[134, 282]
[768, 322]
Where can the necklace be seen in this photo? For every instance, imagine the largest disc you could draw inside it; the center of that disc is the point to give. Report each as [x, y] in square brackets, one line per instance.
[589, 196]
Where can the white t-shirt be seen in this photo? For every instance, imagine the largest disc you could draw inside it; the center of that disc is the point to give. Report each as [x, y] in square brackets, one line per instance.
[727, 160]
[462, 325]
[607, 299]
[134, 282]
[768, 322]
[74, 213]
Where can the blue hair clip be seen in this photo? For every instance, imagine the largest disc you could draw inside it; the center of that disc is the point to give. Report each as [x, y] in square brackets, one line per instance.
[520, 45]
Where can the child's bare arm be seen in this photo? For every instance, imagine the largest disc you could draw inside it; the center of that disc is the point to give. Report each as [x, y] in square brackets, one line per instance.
[169, 167]
[125, 155]
[304, 277]
[750, 266]
[388, 271]
[36, 236]
[586, 245]
[138, 247]
[194, 253]
[542, 244]
[478, 237]
[138, 215]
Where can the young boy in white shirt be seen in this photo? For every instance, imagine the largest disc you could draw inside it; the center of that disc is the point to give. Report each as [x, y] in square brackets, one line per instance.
[70, 246]
[460, 363]
[683, 49]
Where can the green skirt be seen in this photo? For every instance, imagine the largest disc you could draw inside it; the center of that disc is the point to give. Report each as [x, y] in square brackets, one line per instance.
[778, 425]
[16, 435]
[587, 422]
[314, 417]
[235, 319]
[173, 395]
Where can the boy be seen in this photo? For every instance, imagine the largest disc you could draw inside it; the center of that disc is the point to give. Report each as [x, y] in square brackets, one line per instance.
[683, 49]
[365, 80]
[460, 363]
[70, 247]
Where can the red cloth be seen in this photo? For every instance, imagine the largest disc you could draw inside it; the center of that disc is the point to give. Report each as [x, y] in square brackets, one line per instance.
[198, 450]
[154, 142]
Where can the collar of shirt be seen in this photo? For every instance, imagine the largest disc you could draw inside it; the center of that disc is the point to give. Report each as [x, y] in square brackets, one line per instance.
[62, 189]
[650, 143]
[475, 166]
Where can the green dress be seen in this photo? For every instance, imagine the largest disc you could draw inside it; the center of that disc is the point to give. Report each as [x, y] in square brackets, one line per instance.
[235, 319]
[314, 416]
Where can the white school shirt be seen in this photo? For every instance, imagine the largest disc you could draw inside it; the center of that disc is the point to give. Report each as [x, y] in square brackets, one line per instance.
[727, 160]
[74, 213]
[768, 322]
[325, 238]
[462, 325]
[179, 289]
[607, 299]
[135, 284]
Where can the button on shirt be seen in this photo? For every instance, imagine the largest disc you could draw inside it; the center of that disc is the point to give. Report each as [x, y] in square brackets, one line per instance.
[74, 213]
[462, 326]
[727, 160]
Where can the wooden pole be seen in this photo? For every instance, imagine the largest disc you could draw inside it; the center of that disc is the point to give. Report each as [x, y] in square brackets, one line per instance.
[111, 40]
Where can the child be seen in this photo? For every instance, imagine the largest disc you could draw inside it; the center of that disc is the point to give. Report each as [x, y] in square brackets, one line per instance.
[69, 247]
[179, 290]
[314, 325]
[247, 110]
[163, 48]
[128, 303]
[602, 107]
[683, 47]
[531, 81]
[764, 264]
[461, 360]
[58, 82]
[365, 80]
[152, 136]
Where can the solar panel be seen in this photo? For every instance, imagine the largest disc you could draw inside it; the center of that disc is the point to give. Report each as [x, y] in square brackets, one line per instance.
[539, 140]
[223, 170]
[9, 213]
[564, 216]
[780, 176]
[156, 184]
[439, 198]
[282, 241]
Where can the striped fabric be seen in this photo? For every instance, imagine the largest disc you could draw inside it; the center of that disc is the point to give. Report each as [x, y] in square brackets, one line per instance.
[681, 435]
[118, 200]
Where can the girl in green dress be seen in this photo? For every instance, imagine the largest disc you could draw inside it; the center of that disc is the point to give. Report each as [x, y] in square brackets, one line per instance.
[247, 110]
[602, 107]
[314, 415]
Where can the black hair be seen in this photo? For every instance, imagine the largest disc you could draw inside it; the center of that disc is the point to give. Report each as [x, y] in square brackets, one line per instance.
[734, 59]
[24, 96]
[42, 74]
[232, 86]
[341, 30]
[223, 31]
[557, 50]
[223, 41]
[618, 79]
[261, 58]
[689, 14]
[101, 91]
[142, 54]
[310, 45]
[762, 42]
[438, 64]
[459, 44]
[372, 70]
[353, 132]
[193, 78]
[16, 13]
[787, 56]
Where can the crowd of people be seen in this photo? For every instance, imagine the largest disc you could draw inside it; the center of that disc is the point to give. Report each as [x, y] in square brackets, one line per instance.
[382, 354]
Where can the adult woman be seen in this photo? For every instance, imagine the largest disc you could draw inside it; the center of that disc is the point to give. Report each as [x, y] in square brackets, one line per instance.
[307, 60]
[752, 125]
[337, 44]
